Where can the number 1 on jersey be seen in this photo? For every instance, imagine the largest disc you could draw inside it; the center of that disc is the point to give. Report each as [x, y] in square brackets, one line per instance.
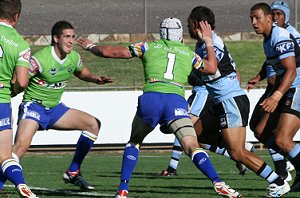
[170, 67]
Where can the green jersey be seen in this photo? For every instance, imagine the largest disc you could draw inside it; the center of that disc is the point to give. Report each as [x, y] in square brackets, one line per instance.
[167, 65]
[47, 85]
[14, 51]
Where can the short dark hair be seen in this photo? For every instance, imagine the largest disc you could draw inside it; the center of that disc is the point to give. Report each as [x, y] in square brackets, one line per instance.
[264, 7]
[202, 13]
[58, 28]
[9, 9]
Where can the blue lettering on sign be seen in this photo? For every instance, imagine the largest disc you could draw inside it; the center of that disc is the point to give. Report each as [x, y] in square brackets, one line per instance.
[285, 47]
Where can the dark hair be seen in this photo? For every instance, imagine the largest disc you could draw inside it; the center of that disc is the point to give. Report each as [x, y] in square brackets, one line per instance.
[9, 9]
[264, 7]
[58, 28]
[202, 13]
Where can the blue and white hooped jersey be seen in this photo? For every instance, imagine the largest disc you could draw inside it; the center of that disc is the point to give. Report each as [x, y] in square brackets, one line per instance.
[277, 47]
[224, 84]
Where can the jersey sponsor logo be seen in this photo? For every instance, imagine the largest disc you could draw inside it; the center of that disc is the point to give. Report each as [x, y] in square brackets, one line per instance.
[157, 46]
[57, 85]
[27, 55]
[298, 41]
[1, 85]
[9, 42]
[4, 122]
[284, 47]
[70, 69]
[34, 66]
[33, 114]
[181, 112]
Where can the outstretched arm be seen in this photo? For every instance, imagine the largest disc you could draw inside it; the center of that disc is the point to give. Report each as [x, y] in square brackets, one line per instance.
[87, 76]
[104, 51]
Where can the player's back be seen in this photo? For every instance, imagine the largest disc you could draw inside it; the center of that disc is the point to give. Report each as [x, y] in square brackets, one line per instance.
[14, 51]
[167, 65]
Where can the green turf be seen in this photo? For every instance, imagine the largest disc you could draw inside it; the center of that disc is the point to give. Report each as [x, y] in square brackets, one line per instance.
[44, 171]
[249, 57]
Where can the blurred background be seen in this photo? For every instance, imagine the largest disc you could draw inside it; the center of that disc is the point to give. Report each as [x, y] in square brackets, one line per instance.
[135, 16]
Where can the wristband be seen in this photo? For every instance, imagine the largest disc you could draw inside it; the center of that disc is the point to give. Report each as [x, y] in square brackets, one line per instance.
[90, 46]
[277, 95]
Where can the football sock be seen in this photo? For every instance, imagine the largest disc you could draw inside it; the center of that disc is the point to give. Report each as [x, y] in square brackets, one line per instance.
[2, 179]
[84, 144]
[267, 173]
[218, 150]
[12, 170]
[202, 162]
[130, 157]
[294, 156]
[279, 163]
[176, 153]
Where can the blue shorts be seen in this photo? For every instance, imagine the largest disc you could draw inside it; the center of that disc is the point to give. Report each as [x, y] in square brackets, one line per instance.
[46, 117]
[233, 112]
[5, 116]
[155, 107]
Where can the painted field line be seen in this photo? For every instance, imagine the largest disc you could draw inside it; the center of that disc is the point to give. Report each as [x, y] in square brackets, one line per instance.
[67, 192]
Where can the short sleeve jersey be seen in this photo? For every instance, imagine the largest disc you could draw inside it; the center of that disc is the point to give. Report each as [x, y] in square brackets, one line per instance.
[224, 84]
[278, 46]
[296, 35]
[14, 51]
[167, 65]
[48, 84]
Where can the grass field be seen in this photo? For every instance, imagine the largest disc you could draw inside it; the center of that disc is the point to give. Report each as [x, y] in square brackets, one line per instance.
[249, 57]
[44, 171]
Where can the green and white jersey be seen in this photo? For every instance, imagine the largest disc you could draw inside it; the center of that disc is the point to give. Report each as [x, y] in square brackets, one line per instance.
[167, 65]
[14, 51]
[47, 85]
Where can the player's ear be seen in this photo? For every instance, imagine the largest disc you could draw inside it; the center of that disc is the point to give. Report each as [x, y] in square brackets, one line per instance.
[55, 38]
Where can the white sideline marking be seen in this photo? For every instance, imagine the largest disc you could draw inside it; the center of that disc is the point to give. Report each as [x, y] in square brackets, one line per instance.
[67, 191]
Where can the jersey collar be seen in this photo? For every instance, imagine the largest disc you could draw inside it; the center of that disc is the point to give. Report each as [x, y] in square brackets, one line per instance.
[56, 57]
[5, 24]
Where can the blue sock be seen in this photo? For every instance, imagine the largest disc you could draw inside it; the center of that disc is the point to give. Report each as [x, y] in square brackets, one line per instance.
[84, 144]
[202, 162]
[12, 170]
[130, 157]
[3, 179]
[294, 156]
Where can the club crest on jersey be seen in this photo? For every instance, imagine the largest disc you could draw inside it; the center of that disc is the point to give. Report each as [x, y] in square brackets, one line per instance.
[53, 71]
[285, 47]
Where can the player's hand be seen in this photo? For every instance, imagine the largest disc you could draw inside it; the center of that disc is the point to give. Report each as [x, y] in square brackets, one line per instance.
[85, 43]
[205, 30]
[269, 105]
[252, 83]
[100, 80]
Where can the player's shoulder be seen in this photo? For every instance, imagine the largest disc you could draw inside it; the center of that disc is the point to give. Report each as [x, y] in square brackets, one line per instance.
[279, 32]
[291, 29]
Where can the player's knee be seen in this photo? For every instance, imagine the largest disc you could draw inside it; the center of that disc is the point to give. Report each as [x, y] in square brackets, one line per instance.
[20, 149]
[94, 126]
[282, 142]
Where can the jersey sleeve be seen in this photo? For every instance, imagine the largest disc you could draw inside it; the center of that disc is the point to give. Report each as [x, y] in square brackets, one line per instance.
[284, 46]
[197, 62]
[138, 49]
[35, 67]
[79, 66]
[24, 56]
